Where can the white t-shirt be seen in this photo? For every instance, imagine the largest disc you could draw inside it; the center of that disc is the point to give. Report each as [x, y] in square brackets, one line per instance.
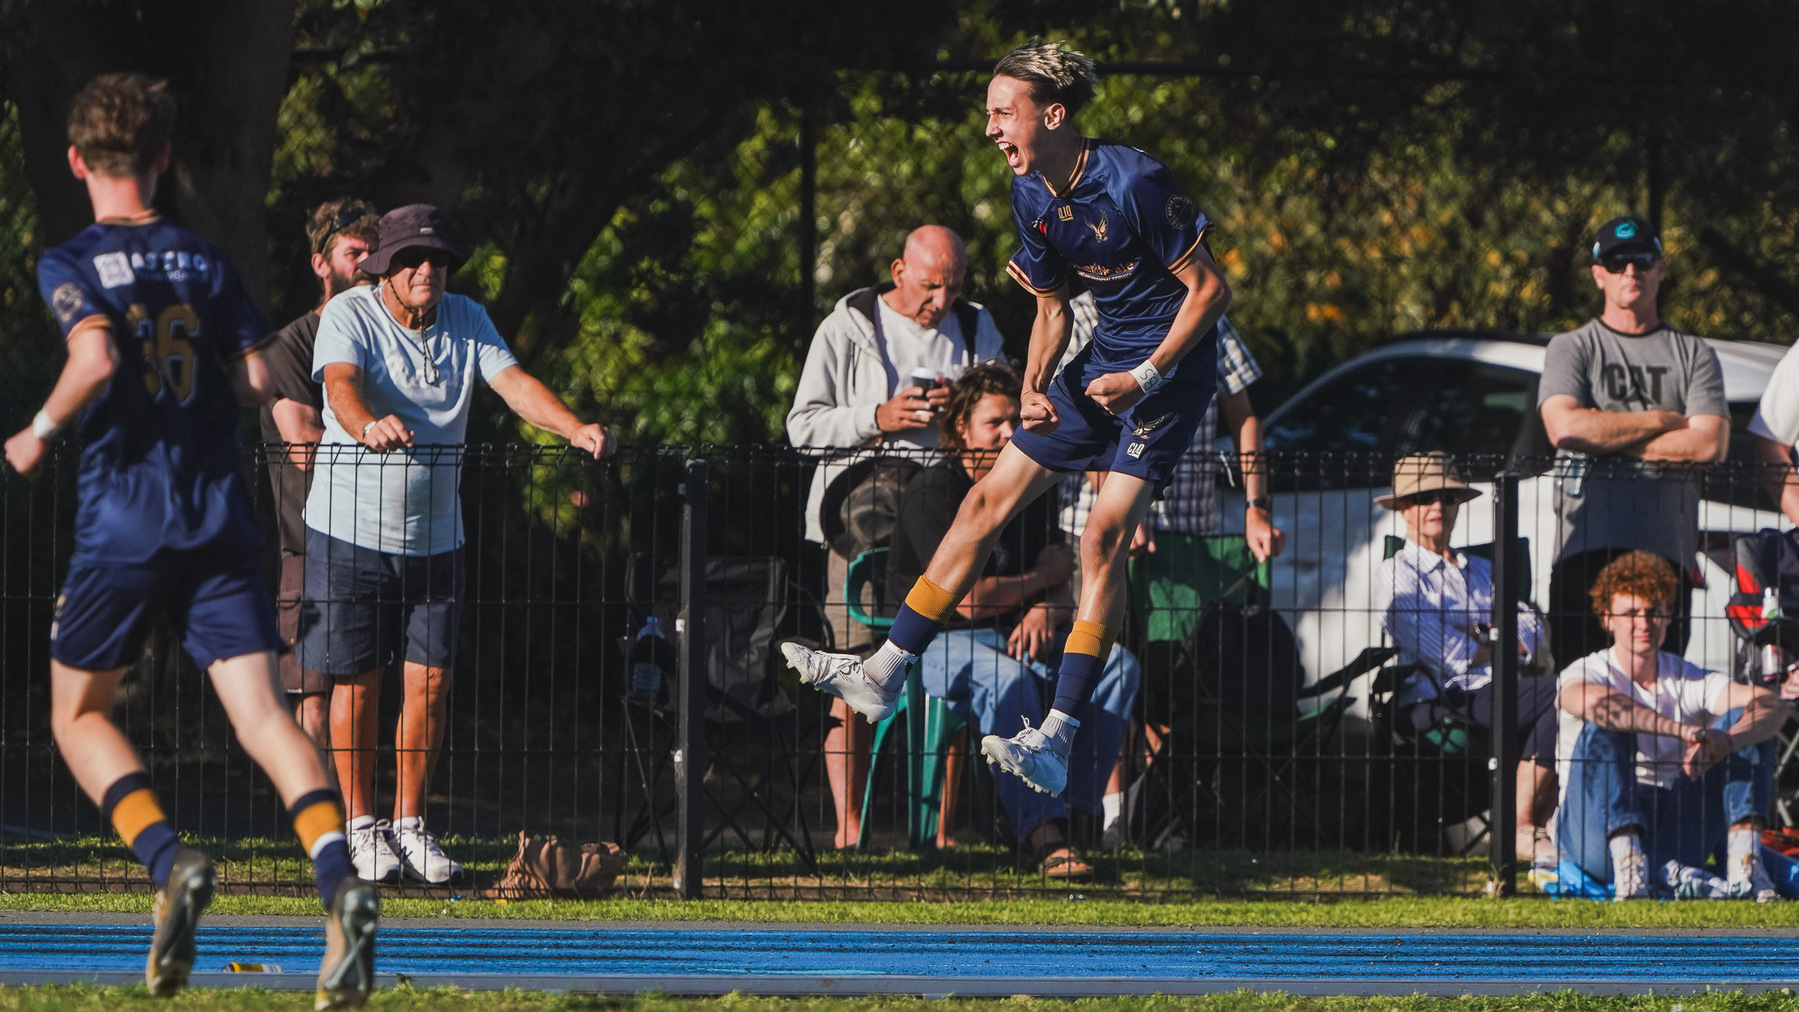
[1682, 691]
[1778, 416]
[939, 350]
[404, 502]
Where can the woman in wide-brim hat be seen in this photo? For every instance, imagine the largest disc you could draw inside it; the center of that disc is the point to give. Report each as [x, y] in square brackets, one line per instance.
[1436, 603]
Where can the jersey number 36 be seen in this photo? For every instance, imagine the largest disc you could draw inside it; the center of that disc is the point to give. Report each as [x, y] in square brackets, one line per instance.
[168, 352]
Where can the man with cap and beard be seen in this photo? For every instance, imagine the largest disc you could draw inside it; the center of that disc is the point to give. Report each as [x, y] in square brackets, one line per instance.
[384, 567]
[339, 234]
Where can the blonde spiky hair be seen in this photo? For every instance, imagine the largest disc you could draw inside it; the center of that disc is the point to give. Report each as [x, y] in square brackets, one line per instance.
[1055, 73]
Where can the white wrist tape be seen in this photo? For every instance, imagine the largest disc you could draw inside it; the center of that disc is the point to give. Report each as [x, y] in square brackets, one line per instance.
[1147, 377]
[42, 427]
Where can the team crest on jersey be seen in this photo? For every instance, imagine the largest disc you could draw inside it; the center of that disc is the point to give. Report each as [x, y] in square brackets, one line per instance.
[66, 300]
[1099, 230]
[1181, 212]
[1065, 213]
[1041, 226]
[1143, 427]
[114, 269]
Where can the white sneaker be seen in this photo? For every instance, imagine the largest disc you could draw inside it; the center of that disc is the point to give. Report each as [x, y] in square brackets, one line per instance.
[1752, 881]
[841, 675]
[1630, 874]
[1030, 756]
[423, 857]
[372, 852]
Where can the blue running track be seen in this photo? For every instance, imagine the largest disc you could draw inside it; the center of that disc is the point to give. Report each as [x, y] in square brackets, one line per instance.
[1000, 961]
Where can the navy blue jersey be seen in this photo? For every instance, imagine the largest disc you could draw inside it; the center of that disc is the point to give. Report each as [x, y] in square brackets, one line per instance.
[1124, 229]
[162, 464]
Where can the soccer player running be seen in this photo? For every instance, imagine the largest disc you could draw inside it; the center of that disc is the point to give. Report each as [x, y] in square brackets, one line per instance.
[160, 334]
[1128, 404]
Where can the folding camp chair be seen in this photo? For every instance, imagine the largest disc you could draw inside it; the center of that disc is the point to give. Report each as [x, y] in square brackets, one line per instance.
[755, 763]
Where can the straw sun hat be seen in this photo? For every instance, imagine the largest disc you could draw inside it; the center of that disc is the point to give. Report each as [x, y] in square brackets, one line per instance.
[1424, 472]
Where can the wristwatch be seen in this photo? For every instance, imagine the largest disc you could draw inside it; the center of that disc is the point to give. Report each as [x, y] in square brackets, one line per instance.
[1260, 502]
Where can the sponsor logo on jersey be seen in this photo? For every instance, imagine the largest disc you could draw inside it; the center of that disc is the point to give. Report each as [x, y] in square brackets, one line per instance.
[66, 300]
[1180, 212]
[1100, 272]
[1134, 450]
[114, 270]
[1099, 229]
[174, 265]
[1065, 213]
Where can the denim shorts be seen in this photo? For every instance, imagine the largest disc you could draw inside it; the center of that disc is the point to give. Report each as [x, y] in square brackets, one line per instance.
[365, 609]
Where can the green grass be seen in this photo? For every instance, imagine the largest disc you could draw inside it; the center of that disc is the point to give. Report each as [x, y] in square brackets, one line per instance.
[1398, 913]
[103, 999]
[970, 872]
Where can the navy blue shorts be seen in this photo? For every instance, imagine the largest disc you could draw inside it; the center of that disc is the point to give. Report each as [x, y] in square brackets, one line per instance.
[218, 599]
[361, 607]
[1147, 442]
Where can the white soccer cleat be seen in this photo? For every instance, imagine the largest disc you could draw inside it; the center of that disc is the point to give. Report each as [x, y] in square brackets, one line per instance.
[1031, 757]
[423, 858]
[372, 852]
[841, 675]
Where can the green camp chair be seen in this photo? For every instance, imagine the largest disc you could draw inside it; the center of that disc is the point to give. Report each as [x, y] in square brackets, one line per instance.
[927, 740]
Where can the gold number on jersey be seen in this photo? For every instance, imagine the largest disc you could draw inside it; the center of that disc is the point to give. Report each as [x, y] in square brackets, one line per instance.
[168, 352]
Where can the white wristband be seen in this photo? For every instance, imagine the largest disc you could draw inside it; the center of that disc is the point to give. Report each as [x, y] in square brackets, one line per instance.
[1147, 376]
[42, 427]
[363, 437]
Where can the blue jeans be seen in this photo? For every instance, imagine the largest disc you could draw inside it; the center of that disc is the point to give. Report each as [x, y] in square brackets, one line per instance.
[995, 693]
[1686, 822]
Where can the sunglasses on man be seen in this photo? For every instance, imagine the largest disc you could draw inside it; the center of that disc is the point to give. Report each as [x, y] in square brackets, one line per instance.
[410, 259]
[338, 224]
[1614, 263]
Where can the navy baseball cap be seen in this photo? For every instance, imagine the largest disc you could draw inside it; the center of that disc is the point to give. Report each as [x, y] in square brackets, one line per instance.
[1628, 234]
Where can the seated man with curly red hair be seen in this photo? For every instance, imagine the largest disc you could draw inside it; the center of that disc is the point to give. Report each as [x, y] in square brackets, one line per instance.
[1662, 763]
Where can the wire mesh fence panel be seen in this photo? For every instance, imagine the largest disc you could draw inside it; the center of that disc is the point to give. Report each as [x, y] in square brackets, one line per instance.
[1310, 725]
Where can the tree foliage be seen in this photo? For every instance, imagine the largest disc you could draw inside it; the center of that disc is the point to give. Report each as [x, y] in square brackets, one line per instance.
[632, 170]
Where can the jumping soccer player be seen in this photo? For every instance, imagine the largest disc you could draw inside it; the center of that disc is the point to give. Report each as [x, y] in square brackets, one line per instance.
[1127, 404]
[160, 334]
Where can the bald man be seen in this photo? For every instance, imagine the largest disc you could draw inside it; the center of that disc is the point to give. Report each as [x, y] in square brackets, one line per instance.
[858, 390]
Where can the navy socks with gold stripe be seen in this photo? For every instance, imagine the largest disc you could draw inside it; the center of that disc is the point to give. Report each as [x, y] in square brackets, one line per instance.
[1084, 655]
[319, 823]
[131, 806]
[919, 621]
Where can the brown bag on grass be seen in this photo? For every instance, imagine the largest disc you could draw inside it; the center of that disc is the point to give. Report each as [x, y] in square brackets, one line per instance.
[547, 868]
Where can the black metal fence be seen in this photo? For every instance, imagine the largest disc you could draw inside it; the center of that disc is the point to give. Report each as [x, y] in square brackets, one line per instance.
[1270, 749]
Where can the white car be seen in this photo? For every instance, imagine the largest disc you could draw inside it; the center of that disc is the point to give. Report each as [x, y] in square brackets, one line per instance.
[1470, 393]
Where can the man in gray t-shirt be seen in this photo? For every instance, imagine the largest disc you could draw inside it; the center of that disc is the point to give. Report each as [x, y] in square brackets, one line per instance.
[1631, 405]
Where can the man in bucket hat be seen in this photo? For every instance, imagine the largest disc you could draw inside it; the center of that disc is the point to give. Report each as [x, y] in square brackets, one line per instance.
[384, 578]
[1436, 603]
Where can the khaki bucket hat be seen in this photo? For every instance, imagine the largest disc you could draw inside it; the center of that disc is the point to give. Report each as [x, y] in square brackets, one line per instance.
[1424, 472]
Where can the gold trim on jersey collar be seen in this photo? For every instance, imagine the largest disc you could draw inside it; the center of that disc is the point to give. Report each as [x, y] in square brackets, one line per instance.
[1080, 169]
[149, 217]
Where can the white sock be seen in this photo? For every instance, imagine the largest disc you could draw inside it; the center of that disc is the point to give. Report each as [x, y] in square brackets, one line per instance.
[1630, 867]
[887, 666]
[1059, 728]
[413, 823]
[362, 822]
[1742, 847]
[1113, 807]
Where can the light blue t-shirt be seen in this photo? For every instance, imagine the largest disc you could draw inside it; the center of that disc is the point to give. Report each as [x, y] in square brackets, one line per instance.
[404, 502]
